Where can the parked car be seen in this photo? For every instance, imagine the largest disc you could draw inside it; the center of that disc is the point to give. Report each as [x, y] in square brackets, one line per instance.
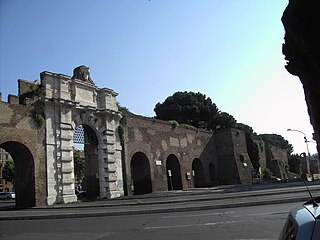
[7, 195]
[275, 179]
[303, 223]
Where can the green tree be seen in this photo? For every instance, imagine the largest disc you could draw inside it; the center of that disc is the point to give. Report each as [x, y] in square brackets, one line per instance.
[278, 141]
[247, 129]
[267, 174]
[294, 162]
[223, 120]
[194, 109]
[79, 166]
[8, 171]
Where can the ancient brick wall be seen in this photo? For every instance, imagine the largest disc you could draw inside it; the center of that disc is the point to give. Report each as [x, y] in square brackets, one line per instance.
[274, 158]
[262, 154]
[233, 160]
[157, 140]
[23, 138]
[226, 150]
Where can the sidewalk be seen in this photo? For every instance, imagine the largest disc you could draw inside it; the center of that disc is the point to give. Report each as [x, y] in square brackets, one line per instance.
[172, 201]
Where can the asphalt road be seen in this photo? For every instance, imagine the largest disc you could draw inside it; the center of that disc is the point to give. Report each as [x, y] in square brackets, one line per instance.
[256, 222]
[163, 202]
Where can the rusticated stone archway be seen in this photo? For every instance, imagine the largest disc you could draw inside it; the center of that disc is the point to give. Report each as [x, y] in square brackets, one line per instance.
[86, 136]
[74, 101]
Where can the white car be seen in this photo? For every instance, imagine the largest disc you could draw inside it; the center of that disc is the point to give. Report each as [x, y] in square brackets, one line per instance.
[7, 195]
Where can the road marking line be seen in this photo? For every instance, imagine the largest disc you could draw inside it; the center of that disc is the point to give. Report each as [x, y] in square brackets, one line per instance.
[269, 213]
[198, 215]
[259, 214]
[192, 225]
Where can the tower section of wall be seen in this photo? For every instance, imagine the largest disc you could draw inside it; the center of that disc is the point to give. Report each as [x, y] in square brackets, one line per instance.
[233, 160]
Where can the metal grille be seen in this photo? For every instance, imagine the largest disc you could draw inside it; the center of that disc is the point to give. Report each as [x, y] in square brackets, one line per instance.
[78, 136]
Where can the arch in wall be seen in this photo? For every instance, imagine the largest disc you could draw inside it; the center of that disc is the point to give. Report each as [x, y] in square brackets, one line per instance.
[198, 170]
[87, 127]
[85, 135]
[212, 174]
[173, 173]
[140, 174]
[24, 173]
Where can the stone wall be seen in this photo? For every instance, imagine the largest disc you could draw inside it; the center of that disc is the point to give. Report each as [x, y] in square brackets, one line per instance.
[275, 159]
[24, 139]
[37, 130]
[262, 155]
[157, 140]
[233, 161]
[38, 126]
[70, 102]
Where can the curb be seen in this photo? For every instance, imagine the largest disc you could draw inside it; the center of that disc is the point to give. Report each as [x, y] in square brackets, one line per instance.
[153, 211]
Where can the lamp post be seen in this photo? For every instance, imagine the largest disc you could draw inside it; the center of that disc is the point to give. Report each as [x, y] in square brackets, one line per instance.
[306, 141]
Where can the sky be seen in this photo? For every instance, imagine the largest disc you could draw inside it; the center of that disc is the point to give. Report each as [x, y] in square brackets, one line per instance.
[146, 50]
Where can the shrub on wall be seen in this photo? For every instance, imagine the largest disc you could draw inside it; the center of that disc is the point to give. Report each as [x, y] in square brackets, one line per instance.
[39, 119]
[267, 174]
[174, 124]
[121, 133]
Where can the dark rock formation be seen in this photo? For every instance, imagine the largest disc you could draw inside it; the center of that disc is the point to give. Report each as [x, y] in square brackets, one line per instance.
[301, 21]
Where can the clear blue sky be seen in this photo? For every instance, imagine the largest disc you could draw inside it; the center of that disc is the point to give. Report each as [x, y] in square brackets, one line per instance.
[145, 50]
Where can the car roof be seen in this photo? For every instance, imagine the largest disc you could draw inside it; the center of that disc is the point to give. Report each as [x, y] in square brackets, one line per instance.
[314, 210]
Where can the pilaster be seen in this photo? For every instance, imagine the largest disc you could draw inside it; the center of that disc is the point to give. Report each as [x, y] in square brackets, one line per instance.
[111, 168]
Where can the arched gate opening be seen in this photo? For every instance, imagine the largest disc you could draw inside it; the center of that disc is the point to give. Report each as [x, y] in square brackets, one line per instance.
[24, 183]
[173, 173]
[198, 173]
[140, 174]
[87, 166]
[212, 173]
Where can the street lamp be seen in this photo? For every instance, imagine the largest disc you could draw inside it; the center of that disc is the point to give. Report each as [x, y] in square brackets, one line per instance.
[306, 141]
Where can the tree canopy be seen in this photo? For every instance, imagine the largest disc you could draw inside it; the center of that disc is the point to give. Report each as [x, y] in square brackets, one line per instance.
[79, 166]
[247, 129]
[8, 171]
[295, 163]
[278, 141]
[194, 109]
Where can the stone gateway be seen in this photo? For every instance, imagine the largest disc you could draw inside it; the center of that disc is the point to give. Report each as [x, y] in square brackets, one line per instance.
[124, 154]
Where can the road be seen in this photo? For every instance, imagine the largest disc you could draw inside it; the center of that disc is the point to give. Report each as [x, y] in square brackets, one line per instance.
[256, 222]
